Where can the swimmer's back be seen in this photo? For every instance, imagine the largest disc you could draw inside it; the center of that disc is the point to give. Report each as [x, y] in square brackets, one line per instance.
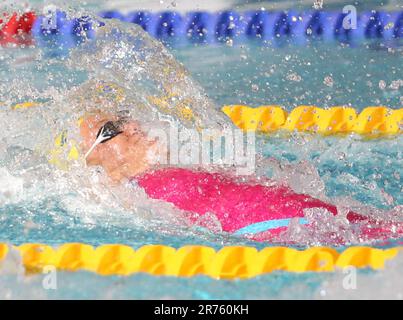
[235, 204]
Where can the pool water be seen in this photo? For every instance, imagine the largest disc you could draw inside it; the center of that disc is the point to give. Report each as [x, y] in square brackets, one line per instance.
[321, 74]
[44, 206]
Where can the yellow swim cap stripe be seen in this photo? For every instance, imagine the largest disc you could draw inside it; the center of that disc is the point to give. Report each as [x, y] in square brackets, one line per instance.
[24, 105]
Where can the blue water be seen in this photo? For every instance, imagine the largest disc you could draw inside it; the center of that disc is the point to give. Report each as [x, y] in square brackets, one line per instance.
[84, 285]
[369, 171]
[321, 74]
[350, 166]
[290, 76]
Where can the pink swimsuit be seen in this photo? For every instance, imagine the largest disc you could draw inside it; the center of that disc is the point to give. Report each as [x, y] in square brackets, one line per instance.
[242, 208]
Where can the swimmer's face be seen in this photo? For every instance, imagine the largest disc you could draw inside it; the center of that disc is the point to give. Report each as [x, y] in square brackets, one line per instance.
[123, 156]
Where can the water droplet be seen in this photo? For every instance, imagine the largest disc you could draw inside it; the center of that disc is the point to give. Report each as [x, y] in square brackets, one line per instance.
[328, 81]
[294, 77]
[396, 84]
[318, 4]
[229, 42]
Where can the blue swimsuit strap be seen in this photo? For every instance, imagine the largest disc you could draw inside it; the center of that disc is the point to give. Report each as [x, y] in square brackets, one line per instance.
[267, 225]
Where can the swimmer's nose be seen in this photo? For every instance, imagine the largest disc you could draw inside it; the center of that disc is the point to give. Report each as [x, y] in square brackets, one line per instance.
[107, 132]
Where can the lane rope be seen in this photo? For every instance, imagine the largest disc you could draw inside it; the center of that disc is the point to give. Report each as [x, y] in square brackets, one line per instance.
[227, 263]
[199, 27]
[372, 121]
[208, 27]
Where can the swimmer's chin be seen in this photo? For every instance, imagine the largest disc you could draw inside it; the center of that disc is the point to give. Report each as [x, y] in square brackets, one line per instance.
[124, 174]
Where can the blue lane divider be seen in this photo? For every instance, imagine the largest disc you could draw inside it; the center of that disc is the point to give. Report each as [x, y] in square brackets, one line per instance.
[227, 26]
[257, 24]
[205, 27]
[143, 19]
[112, 15]
[53, 31]
[169, 25]
[198, 26]
[398, 29]
[60, 33]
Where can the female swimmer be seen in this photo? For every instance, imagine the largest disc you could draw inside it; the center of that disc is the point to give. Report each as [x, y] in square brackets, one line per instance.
[262, 212]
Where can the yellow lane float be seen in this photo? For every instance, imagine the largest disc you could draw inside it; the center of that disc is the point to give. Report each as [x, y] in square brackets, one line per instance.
[335, 120]
[235, 262]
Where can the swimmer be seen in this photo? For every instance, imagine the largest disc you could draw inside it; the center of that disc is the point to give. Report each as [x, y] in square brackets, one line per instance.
[262, 212]
[117, 145]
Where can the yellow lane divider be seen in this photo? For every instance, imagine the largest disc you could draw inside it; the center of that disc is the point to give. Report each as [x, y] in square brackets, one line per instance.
[266, 119]
[227, 263]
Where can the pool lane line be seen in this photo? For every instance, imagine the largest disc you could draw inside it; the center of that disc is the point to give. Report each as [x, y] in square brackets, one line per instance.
[205, 27]
[371, 121]
[236, 262]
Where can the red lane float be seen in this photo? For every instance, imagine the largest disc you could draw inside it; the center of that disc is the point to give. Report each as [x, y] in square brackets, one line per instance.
[17, 29]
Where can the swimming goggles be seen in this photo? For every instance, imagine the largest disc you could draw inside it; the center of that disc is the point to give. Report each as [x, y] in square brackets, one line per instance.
[107, 132]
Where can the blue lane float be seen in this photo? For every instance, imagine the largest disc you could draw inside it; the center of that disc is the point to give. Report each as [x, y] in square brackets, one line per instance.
[205, 27]
[60, 33]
